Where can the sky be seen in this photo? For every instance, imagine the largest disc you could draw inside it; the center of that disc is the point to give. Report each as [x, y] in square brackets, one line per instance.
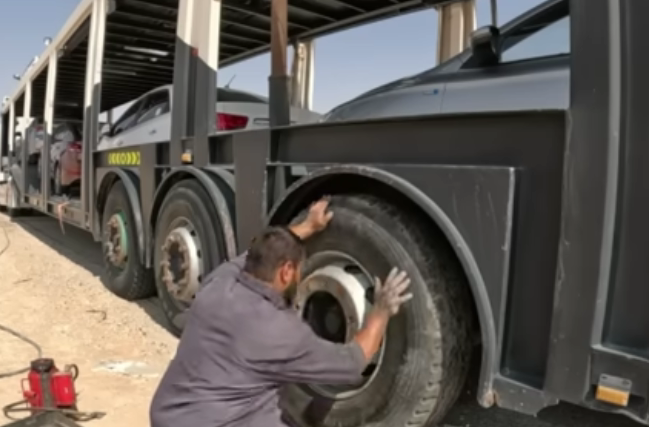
[346, 63]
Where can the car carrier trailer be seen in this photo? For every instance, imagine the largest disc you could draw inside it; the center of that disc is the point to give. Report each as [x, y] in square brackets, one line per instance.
[526, 229]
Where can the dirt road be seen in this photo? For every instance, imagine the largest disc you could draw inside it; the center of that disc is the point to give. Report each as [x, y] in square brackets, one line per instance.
[50, 290]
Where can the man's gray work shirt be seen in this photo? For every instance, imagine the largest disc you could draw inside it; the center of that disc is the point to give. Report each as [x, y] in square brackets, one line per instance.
[240, 344]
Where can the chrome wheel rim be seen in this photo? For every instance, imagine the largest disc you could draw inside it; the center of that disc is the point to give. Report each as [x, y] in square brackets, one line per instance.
[334, 299]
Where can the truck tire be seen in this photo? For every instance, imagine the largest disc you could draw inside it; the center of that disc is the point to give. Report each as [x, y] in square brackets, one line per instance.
[188, 244]
[425, 357]
[125, 276]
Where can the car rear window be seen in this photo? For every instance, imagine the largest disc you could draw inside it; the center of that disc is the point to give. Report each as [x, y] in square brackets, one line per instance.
[229, 95]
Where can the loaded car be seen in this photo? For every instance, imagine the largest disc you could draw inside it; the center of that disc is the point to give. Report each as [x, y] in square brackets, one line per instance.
[65, 154]
[523, 65]
[148, 119]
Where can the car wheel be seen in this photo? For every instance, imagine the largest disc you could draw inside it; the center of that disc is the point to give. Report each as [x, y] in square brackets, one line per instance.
[125, 276]
[422, 365]
[188, 244]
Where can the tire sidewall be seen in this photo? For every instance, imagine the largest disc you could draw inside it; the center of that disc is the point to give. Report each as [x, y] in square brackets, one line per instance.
[120, 281]
[190, 201]
[411, 338]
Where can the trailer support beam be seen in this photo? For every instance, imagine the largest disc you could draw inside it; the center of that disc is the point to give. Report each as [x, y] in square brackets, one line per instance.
[182, 82]
[11, 134]
[205, 38]
[278, 82]
[26, 121]
[195, 72]
[302, 74]
[50, 93]
[96, 40]
[456, 22]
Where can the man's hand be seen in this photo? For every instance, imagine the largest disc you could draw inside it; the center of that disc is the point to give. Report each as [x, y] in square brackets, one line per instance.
[318, 217]
[389, 295]
[317, 220]
[388, 298]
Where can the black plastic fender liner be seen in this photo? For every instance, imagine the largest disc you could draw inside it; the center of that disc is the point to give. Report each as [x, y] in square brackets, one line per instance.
[307, 189]
[132, 184]
[215, 185]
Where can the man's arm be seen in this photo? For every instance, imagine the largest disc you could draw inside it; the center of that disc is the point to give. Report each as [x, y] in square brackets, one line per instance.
[295, 354]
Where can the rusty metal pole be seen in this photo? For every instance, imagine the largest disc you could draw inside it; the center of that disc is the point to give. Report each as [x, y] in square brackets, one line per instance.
[279, 80]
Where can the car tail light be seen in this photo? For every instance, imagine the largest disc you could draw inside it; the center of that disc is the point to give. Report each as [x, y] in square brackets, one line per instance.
[230, 121]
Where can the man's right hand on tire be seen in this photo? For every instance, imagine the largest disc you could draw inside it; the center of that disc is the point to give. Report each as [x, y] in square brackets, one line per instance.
[388, 298]
[389, 295]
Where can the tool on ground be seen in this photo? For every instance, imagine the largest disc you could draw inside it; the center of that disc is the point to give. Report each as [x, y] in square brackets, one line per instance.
[48, 389]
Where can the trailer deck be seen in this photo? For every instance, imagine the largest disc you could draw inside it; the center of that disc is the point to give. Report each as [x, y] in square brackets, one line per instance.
[140, 42]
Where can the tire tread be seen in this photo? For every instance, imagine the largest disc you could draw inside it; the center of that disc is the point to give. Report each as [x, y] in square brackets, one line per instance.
[443, 273]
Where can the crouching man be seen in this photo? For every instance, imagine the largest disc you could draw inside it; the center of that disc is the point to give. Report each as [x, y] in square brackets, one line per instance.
[242, 340]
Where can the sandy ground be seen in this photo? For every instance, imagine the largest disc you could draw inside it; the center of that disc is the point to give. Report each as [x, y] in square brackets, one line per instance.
[62, 305]
[50, 291]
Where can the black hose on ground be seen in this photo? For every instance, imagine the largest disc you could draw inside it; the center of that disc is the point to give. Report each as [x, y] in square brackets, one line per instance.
[12, 332]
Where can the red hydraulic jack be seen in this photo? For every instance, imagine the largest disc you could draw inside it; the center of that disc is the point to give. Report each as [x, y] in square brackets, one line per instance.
[50, 397]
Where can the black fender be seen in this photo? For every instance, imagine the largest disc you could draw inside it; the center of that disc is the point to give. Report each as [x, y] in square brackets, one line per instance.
[132, 185]
[217, 184]
[306, 190]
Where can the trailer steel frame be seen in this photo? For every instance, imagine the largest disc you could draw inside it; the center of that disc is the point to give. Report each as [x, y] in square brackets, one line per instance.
[545, 210]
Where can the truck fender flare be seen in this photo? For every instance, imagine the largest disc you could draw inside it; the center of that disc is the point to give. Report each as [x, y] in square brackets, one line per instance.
[303, 191]
[132, 185]
[215, 183]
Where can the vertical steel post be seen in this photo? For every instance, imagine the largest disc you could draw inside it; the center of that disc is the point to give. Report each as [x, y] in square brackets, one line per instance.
[88, 104]
[456, 22]
[11, 131]
[50, 94]
[309, 75]
[183, 90]
[91, 144]
[92, 108]
[278, 82]
[297, 74]
[206, 31]
[27, 114]
[301, 88]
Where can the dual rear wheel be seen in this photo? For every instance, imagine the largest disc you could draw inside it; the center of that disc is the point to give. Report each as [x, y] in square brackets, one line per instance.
[421, 367]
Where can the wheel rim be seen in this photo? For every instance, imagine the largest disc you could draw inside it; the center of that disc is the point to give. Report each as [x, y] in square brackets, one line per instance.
[182, 263]
[334, 300]
[116, 249]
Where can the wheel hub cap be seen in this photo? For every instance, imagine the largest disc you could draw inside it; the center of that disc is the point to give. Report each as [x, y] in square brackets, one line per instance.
[182, 264]
[334, 299]
[116, 240]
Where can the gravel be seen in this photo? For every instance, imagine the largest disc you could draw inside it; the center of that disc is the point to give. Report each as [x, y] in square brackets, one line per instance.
[51, 292]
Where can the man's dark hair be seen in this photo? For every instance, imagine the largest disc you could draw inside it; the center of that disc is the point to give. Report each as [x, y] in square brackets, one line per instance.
[271, 249]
